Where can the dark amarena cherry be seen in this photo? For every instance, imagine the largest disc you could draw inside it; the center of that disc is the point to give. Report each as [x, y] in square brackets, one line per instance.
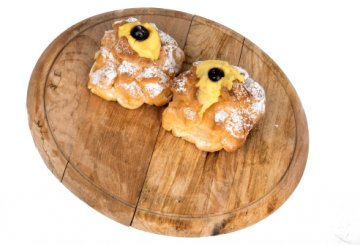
[140, 33]
[215, 74]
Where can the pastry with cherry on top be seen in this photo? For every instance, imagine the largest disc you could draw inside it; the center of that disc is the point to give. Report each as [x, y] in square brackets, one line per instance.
[135, 64]
[214, 106]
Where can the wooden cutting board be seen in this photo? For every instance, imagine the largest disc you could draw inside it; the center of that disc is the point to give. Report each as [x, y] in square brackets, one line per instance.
[123, 164]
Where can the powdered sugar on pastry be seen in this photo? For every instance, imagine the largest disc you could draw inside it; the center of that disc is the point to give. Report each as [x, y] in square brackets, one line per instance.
[241, 120]
[132, 19]
[133, 88]
[154, 89]
[220, 116]
[167, 39]
[242, 71]
[153, 72]
[122, 73]
[128, 68]
[234, 124]
[110, 34]
[223, 125]
[180, 85]
[258, 93]
[128, 20]
[189, 113]
[106, 54]
[237, 122]
[173, 54]
[104, 76]
[196, 63]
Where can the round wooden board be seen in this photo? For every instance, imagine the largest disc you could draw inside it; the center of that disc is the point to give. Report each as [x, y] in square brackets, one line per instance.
[123, 164]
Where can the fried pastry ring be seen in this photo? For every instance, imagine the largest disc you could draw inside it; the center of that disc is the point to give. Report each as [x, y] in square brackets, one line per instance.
[132, 77]
[226, 122]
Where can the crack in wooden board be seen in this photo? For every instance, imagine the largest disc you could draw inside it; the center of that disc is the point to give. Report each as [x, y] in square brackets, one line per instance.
[218, 217]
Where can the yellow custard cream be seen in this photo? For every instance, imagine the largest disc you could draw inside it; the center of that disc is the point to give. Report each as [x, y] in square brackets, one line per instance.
[214, 74]
[143, 38]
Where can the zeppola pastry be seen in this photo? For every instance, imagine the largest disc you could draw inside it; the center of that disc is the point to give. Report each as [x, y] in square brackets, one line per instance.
[135, 64]
[214, 106]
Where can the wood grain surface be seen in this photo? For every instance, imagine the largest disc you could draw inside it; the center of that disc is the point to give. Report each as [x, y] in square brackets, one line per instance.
[123, 164]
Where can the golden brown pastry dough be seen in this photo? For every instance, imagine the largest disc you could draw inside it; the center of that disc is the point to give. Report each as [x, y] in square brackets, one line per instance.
[120, 74]
[225, 124]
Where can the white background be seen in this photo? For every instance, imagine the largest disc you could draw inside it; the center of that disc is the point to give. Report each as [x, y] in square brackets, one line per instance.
[317, 44]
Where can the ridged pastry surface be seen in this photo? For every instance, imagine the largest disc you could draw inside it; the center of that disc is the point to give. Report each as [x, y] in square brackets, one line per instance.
[120, 74]
[225, 124]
